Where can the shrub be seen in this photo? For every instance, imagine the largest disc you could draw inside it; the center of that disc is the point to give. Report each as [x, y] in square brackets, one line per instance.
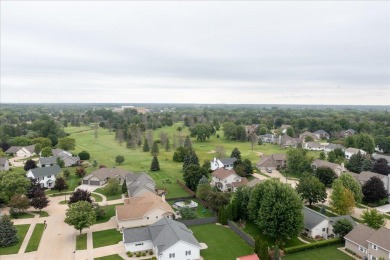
[143, 254]
[84, 155]
[305, 247]
[129, 254]
[138, 254]
[150, 252]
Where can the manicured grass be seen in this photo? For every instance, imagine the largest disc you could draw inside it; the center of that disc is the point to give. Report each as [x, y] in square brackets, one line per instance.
[222, 242]
[109, 257]
[81, 242]
[72, 181]
[62, 193]
[35, 238]
[201, 211]
[22, 231]
[41, 214]
[96, 198]
[109, 197]
[322, 253]
[23, 215]
[62, 202]
[110, 212]
[253, 230]
[106, 237]
[327, 212]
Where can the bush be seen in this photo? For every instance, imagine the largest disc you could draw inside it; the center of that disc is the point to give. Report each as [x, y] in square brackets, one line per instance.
[138, 254]
[143, 254]
[305, 247]
[150, 252]
[84, 155]
[129, 254]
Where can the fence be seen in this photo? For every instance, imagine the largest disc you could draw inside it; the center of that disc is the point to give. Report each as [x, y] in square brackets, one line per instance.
[189, 191]
[241, 233]
[199, 221]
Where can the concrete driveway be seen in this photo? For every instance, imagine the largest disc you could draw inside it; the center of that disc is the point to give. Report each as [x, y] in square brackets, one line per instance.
[384, 208]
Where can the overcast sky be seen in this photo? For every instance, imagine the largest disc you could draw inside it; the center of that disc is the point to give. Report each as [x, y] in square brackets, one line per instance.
[196, 52]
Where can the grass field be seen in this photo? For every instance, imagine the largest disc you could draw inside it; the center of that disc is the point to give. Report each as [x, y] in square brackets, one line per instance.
[109, 257]
[222, 242]
[253, 230]
[41, 214]
[96, 198]
[201, 211]
[106, 237]
[81, 242]
[110, 212]
[22, 215]
[323, 253]
[35, 238]
[109, 197]
[22, 231]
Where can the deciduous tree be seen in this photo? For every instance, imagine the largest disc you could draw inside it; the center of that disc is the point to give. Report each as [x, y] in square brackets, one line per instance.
[60, 184]
[112, 187]
[342, 199]
[374, 190]
[66, 143]
[40, 200]
[119, 159]
[373, 218]
[19, 202]
[84, 155]
[326, 175]
[311, 190]
[80, 215]
[30, 164]
[12, 183]
[381, 166]
[353, 185]
[80, 195]
[192, 175]
[342, 227]
[236, 154]
[46, 151]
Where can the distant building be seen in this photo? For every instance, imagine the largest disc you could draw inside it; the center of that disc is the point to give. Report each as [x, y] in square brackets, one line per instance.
[337, 168]
[4, 164]
[273, 162]
[351, 151]
[227, 163]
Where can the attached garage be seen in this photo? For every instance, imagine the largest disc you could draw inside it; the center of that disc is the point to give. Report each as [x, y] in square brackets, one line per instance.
[86, 182]
[95, 183]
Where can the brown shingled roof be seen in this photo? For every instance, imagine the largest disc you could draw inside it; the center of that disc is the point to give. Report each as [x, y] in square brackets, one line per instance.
[222, 173]
[138, 207]
[359, 235]
[381, 237]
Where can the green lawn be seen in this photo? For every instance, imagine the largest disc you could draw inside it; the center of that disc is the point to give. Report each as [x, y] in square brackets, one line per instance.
[318, 209]
[106, 237]
[22, 231]
[222, 242]
[322, 253]
[35, 238]
[81, 242]
[96, 198]
[23, 215]
[72, 181]
[109, 257]
[253, 230]
[110, 212]
[109, 197]
[201, 211]
[41, 214]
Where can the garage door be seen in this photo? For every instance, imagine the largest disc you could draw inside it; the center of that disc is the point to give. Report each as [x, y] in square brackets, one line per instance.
[85, 182]
[94, 183]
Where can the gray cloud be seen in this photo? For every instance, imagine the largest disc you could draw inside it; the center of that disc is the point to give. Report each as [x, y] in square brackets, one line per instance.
[197, 52]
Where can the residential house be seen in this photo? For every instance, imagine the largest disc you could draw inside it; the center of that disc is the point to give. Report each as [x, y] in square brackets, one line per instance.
[46, 176]
[100, 177]
[306, 134]
[139, 184]
[332, 147]
[273, 162]
[313, 146]
[363, 177]
[378, 156]
[22, 151]
[250, 129]
[337, 168]
[67, 157]
[268, 138]
[322, 134]
[284, 128]
[318, 225]
[143, 210]
[248, 257]
[287, 141]
[168, 239]
[369, 243]
[349, 132]
[351, 151]
[4, 164]
[227, 163]
[227, 180]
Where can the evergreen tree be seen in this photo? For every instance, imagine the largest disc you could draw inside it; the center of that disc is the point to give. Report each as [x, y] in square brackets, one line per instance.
[124, 186]
[203, 180]
[355, 163]
[367, 165]
[167, 145]
[190, 158]
[236, 154]
[155, 149]
[8, 232]
[187, 143]
[155, 165]
[146, 147]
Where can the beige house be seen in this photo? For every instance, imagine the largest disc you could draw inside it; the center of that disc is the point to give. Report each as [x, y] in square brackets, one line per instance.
[22, 151]
[369, 243]
[337, 168]
[307, 133]
[363, 177]
[101, 176]
[351, 151]
[143, 211]
[227, 180]
[4, 164]
[139, 184]
[273, 162]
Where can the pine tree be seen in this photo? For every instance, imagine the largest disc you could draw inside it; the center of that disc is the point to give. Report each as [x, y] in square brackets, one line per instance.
[236, 154]
[367, 165]
[124, 186]
[155, 166]
[146, 147]
[8, 232]
[187, 143]
[155, 149]
[167, 146]
[190, 158]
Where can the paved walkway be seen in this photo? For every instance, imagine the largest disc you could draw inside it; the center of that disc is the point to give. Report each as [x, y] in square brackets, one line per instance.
[276, 174]
[28, 235]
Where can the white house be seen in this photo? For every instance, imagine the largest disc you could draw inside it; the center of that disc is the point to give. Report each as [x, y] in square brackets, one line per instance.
[143, 211]
[227, 180]
[227, 163]
[313, 146]
[351, 151]
[319, 225]
[46, 175]
[168, 239]
[22, 151]
[4, 164]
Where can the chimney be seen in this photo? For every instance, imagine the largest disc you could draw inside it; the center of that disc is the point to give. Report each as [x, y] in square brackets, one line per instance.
[163, 198]
[342, 167]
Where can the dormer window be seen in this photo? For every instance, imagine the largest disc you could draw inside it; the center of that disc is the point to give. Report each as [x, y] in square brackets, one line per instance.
[374, 247]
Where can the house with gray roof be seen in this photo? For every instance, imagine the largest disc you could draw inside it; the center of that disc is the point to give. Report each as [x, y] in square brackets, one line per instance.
[268, 138]
[46, 176]
[369, 243]
[364, 176]
[227, 163]
[22, 151]
[332, 147]
[322, 134]
[313, 146]
[52, 160]
[319, 225]
[4, 164]
[337, 168]
[167, 238]
[139, 183]
[273, 162]
[378, 156]
[351, 151]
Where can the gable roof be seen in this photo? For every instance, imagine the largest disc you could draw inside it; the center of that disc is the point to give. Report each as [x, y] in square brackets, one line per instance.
[243, 181]
[136, 182]
[249, 257]
[253, 182]
[60, 152]
[138, 207]
[359, 235]
[163, 234]
[353, 150]
[323, 163]
[228, 161]
[377, 156]
[312, 218]
[3, 160]
[320, 132]
[104, 173]
[335, 146]
[30, 148]
[48, 160]
[366, 175]
[222, 173]
[381, 237]
[13, 149]
[45, 171]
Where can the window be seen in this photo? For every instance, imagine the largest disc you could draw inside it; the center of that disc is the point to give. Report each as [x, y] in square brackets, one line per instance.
[139, 244]
[147, 217]
[156, 216]
[361, 248]
[188, 252]
[374, 247]
[323, 230]
[48, 176]
[172, 255]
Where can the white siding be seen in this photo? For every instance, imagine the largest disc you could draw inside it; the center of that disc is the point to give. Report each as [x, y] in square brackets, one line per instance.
[148, 219]
[180, 249]
[138, 246]
[318, 230]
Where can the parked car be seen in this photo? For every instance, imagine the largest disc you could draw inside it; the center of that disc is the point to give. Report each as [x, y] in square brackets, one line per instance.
[269, 170]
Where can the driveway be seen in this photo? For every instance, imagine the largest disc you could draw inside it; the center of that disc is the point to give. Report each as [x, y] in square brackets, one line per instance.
[277, 174]
[88, 187]
[384, 208]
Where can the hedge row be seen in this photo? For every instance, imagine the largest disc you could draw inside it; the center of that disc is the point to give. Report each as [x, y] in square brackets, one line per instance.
[314, 245]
